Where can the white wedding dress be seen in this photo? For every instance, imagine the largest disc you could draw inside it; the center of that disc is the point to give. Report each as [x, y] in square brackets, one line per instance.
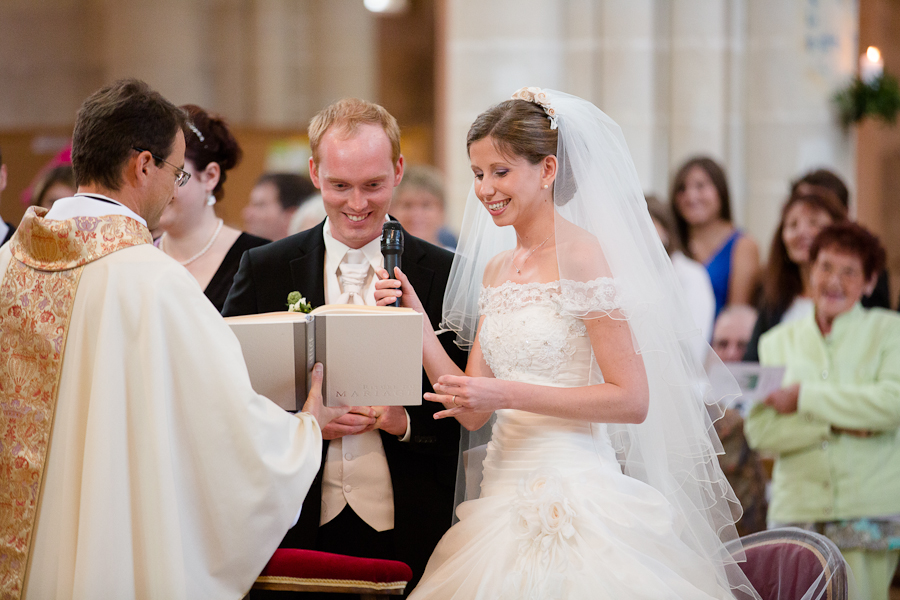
[557, 518]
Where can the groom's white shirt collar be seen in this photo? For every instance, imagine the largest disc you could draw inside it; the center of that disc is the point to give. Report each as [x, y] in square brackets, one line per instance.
[335, 250]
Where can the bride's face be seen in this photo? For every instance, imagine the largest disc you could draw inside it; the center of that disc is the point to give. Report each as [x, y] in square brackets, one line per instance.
[508, 186]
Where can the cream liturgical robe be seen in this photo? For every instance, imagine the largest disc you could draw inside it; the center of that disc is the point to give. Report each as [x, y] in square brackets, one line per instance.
[167, 476]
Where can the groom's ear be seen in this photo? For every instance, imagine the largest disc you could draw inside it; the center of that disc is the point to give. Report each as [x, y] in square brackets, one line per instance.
[549, 166]
[314, 173]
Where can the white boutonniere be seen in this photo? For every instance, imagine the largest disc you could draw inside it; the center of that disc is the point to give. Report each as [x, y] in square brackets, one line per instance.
[297, 303]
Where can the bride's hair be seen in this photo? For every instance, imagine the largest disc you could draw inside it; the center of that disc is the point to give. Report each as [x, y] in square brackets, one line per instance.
[519, 128]
[522, 129]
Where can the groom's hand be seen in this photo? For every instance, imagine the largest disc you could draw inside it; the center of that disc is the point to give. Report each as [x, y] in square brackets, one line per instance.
[359, 420]
[391, 419]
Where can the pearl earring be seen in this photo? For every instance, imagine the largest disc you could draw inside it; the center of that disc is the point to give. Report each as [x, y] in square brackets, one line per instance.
[210, 199]
[546, 187]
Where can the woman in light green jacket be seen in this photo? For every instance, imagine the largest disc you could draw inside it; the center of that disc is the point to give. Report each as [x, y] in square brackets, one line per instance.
[834, 426]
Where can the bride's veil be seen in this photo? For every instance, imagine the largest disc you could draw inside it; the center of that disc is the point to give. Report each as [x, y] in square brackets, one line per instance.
[603, 229]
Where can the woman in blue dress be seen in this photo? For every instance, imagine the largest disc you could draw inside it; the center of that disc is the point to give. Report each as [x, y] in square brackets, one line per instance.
[703, 215]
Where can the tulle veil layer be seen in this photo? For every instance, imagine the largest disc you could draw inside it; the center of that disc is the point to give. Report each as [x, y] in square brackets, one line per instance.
[604, 230]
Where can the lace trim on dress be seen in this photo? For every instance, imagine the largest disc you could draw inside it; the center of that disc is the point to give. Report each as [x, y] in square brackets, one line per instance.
[566, 296]
[552, 346]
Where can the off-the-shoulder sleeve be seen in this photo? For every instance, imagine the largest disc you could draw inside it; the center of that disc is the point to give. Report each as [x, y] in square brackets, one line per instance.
[601, 295]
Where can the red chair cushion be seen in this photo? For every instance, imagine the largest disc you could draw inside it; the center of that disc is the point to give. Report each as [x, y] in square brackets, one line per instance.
[783, 568]
[310, 564]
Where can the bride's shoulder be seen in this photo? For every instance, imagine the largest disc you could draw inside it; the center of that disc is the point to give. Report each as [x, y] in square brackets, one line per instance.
[494, 267]
[580, 255]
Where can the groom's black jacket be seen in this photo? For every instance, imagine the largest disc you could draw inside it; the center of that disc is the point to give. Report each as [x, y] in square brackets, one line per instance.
[423, 470]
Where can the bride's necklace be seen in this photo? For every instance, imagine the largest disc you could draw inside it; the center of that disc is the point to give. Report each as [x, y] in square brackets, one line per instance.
[203, 251]
[518, 270]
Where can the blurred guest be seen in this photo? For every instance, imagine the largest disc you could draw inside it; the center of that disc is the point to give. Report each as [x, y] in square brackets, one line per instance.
[732, 332]
[741, 465]
[193, 234]
[703, 216]
[273, 201]
[58, 182]
[447, 239]
[419, 203]
[691, 275]
[786, 290]
[311, 213]
[6, 229]
[834, 426]
[63, 158]
[823, 178]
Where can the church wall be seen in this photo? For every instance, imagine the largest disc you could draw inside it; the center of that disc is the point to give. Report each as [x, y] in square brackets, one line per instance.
[747, 82]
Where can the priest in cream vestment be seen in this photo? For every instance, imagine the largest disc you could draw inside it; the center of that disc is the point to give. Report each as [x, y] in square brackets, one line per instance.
[161, 473]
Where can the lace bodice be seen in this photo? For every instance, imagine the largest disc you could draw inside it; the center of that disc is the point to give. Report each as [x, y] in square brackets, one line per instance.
[528, 333]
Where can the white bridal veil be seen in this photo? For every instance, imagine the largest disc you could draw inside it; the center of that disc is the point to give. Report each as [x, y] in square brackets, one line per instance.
[604, 230]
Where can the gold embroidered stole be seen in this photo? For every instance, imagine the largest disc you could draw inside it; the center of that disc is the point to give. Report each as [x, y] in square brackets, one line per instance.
[36, 300]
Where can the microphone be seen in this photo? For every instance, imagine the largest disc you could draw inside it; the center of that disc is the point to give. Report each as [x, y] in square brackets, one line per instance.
[392, 249]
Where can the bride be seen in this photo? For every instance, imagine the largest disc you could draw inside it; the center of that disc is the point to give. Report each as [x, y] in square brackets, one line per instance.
[601, 479]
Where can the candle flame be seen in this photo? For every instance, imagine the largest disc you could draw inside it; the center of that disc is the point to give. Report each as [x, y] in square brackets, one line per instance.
[873, 54]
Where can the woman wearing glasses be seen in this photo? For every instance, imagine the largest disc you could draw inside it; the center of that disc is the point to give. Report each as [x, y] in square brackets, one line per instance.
[193, 234]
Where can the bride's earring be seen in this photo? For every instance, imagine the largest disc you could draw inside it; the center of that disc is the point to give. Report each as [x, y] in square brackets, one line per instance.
[546, 187]
[210, 199]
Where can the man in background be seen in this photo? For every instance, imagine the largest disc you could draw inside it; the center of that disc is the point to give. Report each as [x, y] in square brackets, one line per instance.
[741, 465]
[732, 332]
[419, 205]
[273, 201]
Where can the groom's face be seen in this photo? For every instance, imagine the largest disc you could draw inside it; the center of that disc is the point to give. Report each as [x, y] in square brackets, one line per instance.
[357, 178]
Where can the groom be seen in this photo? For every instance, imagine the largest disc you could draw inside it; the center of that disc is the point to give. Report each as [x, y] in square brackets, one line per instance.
[387, 483]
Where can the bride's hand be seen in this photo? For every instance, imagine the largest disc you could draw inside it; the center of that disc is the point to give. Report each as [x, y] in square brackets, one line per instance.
[461, 395]
[387, 290]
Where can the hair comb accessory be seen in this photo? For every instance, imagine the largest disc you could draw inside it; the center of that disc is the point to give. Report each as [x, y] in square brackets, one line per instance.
[537, 95]
[196, 132]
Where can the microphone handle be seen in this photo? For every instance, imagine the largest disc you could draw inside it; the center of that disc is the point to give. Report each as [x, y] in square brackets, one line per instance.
[392, 260]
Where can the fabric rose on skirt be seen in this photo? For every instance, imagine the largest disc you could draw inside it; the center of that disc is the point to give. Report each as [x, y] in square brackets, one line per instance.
[543, 520]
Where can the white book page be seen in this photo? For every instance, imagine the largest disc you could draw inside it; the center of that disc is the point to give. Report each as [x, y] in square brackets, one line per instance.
[756, 382]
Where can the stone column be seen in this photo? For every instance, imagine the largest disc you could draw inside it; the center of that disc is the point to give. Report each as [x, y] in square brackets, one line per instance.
[698, 96]
[485, 63]
[603, 51]
[798, 54]
[627, 85]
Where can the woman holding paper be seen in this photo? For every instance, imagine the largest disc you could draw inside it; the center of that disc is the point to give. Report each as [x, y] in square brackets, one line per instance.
[601, 479]
[834, 427]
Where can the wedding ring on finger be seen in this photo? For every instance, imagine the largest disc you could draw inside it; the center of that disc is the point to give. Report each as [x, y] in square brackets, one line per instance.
[454, 401]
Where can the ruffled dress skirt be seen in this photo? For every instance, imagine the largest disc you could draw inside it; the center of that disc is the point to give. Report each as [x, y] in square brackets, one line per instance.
[557, 519]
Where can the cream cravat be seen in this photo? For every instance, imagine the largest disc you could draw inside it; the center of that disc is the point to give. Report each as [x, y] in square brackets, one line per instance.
[352, 276]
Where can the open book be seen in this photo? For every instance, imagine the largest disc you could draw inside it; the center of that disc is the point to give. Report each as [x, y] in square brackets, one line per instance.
[372, 354]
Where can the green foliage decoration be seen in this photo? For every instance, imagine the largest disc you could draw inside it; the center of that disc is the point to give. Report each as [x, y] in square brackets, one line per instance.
[879, 99]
